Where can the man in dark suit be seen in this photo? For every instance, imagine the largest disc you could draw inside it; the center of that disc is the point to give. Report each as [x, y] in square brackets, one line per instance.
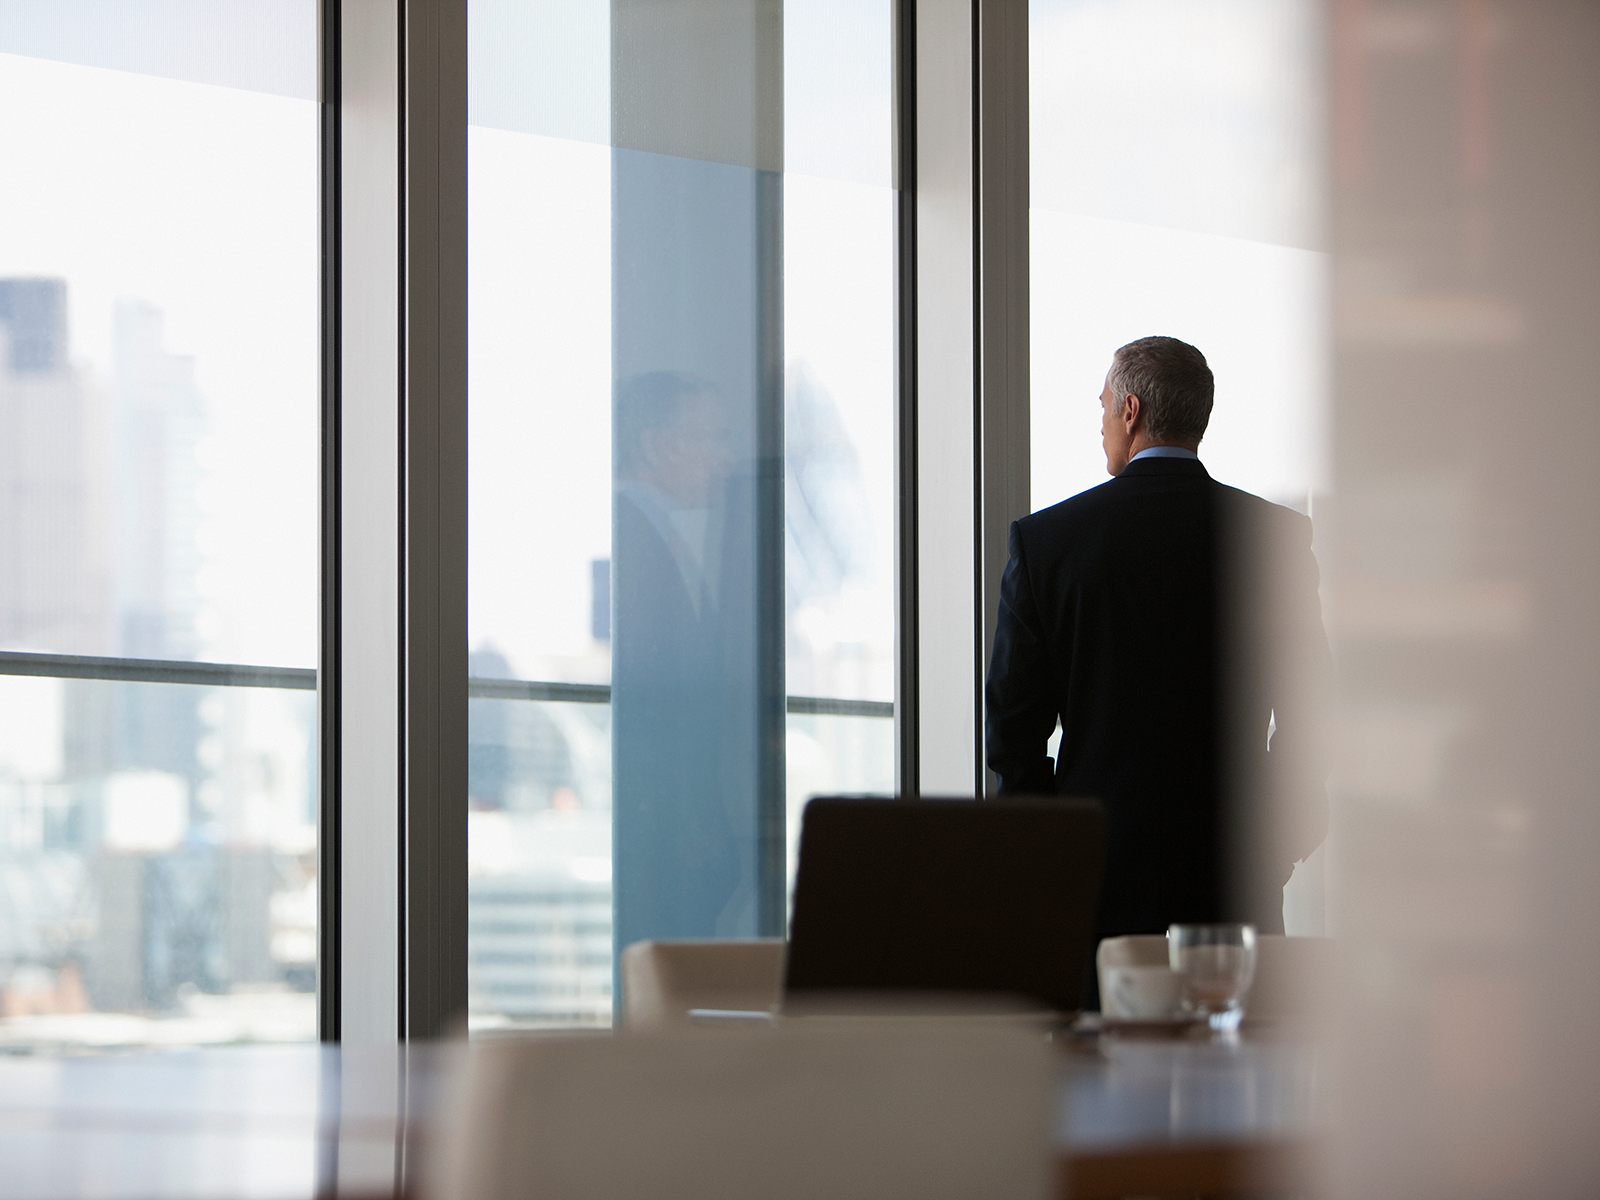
[680, 665]
[1172, 625]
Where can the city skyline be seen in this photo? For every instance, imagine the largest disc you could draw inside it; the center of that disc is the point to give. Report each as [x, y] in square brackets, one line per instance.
[155, 849]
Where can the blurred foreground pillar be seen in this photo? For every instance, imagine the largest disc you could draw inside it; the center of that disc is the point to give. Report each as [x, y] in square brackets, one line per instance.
[1465, 595]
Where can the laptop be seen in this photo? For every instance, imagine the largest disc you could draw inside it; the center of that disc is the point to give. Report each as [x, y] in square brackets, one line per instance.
[994, 898]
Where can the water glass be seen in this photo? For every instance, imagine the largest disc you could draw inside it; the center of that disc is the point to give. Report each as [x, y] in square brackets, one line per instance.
[1217, 964]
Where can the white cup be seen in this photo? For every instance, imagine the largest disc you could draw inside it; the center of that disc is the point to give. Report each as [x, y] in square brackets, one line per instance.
[1145, 993]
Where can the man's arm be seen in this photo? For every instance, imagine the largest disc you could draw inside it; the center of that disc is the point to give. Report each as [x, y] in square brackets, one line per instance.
[1020, 700]
[1302, 688]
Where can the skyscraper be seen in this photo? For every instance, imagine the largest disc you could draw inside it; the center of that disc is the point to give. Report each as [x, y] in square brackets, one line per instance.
[54, 550]
[157, 418]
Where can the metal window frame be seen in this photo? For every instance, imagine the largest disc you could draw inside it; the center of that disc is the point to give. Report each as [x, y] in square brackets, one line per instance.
[434, 516]
[908, 756]
[1004, 384]
[200, 673]
[965, 426]
[329, 825]
[392, 679]
[393, 663]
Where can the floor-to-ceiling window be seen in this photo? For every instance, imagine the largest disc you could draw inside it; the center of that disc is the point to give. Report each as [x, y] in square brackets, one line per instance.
[158, 522]
[1176, 181]
[1176, 167]
[682, 471]
[682, 492]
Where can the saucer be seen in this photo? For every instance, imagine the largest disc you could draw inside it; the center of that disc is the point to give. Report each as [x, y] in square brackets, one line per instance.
[1151, 1027]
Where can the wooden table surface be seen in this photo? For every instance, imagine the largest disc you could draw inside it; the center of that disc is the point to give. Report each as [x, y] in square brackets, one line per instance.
[1156, 1118]
[284, 1122]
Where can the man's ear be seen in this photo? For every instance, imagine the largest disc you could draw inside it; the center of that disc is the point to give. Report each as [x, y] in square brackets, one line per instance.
[1132, 410]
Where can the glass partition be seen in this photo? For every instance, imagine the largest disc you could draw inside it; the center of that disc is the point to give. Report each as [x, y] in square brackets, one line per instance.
[158, 522]
[682, 430]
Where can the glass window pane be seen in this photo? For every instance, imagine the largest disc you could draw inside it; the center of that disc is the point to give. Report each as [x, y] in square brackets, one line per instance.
[1176, 155]
[158, 500]
[1175, 175]
[682, 432]
[839, 420]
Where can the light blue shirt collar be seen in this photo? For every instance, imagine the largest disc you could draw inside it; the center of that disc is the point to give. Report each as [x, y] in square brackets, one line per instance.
[1165, 452]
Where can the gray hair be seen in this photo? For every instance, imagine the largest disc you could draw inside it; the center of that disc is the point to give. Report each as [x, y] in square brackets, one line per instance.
[1173, 383]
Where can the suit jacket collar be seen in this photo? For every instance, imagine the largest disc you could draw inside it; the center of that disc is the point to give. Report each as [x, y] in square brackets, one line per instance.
[1166, 466]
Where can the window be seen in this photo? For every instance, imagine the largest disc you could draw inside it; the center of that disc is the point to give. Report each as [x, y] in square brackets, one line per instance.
[682, 472]
[683, 492]
[1175, 181]
[158, 523]
[1176, 177]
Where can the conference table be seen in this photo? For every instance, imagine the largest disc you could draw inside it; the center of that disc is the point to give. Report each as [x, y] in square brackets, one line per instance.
[1185, 1117]
[279, 1122]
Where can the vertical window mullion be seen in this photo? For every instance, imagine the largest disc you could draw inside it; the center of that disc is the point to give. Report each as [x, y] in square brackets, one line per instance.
[970, 474]
[434, 455]
[329, 960]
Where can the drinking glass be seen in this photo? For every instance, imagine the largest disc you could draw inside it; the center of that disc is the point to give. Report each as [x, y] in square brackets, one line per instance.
[1217, 964]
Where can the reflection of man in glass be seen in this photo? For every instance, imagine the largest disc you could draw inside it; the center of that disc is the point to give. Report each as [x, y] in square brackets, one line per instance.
[672, 463]
[677, 650]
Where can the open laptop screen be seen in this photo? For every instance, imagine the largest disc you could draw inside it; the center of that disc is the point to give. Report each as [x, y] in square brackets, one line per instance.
[947, 896]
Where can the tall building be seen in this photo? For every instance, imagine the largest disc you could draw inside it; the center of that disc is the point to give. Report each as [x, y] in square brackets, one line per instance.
[148, 539]
[128, 887]
[157, 419]
[54, 548]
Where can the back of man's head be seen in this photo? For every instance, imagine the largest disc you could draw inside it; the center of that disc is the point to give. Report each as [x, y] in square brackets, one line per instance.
[1173, 383]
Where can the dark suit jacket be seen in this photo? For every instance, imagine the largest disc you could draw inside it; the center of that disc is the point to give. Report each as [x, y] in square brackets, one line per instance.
[677, 854]
[1165, 619]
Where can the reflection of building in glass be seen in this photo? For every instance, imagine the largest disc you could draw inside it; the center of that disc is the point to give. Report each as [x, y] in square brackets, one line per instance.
[155, 839]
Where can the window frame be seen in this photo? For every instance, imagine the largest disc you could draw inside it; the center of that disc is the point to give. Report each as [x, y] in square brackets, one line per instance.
[392, 678]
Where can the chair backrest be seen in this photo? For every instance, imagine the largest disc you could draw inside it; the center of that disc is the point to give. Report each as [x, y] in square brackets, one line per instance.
[883, 1110]
[662, 981]
[912, 898]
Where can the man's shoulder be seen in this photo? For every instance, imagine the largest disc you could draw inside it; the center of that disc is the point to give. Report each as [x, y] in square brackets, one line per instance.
[1123, 498]
[1118, 497]
[1084, 506]
[1243, 505]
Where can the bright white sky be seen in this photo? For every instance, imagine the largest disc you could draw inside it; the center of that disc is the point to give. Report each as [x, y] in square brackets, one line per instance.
[1253, 309]
[1174, 176]
[540, 272]
[1177, 206]
[540, 369]
[201, 200]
